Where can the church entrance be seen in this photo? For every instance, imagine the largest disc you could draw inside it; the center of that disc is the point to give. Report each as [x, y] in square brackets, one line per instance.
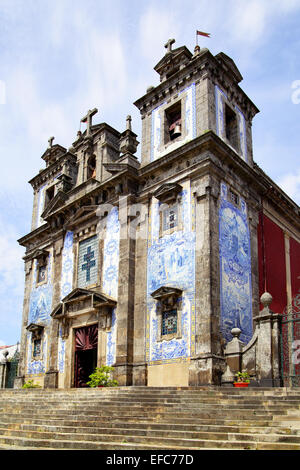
[86, 347]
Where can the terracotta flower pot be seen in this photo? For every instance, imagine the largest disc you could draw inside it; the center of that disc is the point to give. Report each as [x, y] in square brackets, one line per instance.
[240, 384]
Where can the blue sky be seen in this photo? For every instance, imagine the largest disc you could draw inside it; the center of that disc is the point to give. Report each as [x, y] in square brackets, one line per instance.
[60, 58]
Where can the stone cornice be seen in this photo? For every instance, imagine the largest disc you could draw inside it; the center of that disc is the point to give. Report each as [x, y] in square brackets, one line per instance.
[51, 170]
[204, 64]
[45, 228]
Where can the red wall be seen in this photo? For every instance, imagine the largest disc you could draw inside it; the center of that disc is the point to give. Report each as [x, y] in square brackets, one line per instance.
[295, 266]
[271, 259]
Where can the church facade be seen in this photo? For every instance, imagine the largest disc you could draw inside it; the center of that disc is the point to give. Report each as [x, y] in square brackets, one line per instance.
[148, 265]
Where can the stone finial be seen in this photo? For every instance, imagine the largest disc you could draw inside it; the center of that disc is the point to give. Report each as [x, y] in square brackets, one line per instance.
[235, 345]
[227, 377]
[196, 50]
[150, 88]
[128, 123]
[266, 299]
[128, 142]
[236, 332]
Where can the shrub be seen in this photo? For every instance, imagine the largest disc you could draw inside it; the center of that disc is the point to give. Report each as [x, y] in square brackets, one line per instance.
[102, 377]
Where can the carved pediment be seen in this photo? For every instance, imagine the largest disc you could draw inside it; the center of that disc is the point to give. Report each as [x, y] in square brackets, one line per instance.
[82, 214]
[55, 203]
[53, 153]
[40, 254]
[36, 329]
[167, 192]
[80, 301]
[166, 295]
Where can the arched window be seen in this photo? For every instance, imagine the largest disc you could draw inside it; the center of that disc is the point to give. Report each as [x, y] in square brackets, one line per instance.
[91, 170]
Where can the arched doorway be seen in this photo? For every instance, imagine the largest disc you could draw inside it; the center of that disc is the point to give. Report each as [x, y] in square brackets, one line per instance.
[86, 347]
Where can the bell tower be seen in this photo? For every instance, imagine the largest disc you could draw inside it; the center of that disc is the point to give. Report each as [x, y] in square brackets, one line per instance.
[197, 93]
[197, 149]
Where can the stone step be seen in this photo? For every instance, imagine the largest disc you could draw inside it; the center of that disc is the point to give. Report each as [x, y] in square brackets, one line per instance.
[147, 402]
[17, 442]
[182, 442]
[158, 411]
[142, 391]
[283, 401]
[103, 407]
[205, 426]
[157, 418]
[145, 420]
[213, 433]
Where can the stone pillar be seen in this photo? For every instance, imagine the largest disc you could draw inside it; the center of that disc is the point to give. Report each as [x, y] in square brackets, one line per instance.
[261, 356]
[125, 308]
[51, 376]
[3, 371]
[234, 351]
[19, 380]
[268, 349]
[208, 363]
[140, 308]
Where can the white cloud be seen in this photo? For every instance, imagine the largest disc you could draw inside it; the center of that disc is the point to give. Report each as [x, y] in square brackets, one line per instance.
[156, 26]
[290, 183]
[40, 116]
[247, 22]
[11, 267]
[250, 23]
[11, 284]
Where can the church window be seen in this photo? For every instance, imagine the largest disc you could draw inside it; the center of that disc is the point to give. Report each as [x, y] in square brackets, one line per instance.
[91, 172]
[41, 274]
[41, 269]
[234, 198]
[169, 322]
[37, 348]
[87, 262]
[231, 127]
[49, 195]
[170, 218]
[173, 122]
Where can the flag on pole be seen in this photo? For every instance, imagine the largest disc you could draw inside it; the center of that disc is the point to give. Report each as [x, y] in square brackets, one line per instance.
[200, 33]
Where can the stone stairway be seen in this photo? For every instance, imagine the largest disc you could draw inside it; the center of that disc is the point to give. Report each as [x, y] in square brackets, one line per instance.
[144, 418]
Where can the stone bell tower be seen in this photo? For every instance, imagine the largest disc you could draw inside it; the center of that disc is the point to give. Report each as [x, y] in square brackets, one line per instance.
[197, 159]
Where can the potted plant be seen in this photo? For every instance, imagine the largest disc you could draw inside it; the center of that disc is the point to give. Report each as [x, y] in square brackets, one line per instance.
[242, 379]
[102, 377]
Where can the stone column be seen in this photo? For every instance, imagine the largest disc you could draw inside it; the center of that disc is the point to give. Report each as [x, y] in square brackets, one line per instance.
[125, 308]
[140, 308]
[4, 371]
[207, 364]
[19, 380]
[51, 375]
[2, 374]
[267, 352]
